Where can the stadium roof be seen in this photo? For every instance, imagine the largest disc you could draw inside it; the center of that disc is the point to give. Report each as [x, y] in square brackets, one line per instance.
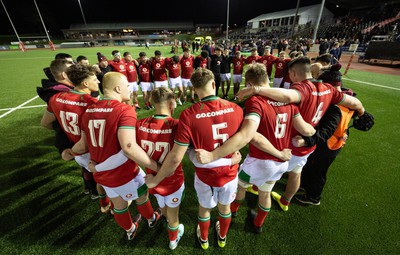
[360, 4]
[138, 26]
[282, 14]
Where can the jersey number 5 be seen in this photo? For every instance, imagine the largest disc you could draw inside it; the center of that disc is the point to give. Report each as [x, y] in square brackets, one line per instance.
[217, 135]
[100, 125]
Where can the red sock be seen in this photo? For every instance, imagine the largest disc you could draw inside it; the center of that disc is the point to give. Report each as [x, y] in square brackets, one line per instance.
[235, 205]
[262, 213]
[284, 200]
[173, 233]
[224, 222]
[104, 201]
[255, 188]
[123, 218]
[145, 209]
[204, 224]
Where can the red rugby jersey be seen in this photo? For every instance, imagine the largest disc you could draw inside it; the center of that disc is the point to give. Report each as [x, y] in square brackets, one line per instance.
[101, 122]
[276, 121]
[315, 100]
[68, 108]
[155, 135]
[206, 125]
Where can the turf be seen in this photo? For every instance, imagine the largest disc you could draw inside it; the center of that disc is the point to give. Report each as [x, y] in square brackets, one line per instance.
[43, 210]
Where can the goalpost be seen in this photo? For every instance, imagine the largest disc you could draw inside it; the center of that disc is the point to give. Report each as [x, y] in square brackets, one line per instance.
[20, 43]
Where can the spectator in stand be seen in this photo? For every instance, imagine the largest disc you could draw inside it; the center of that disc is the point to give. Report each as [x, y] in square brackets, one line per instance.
[335, 52]
[323, 46]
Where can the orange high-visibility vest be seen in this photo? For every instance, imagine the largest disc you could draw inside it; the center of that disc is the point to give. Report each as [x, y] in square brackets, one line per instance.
[336, 141]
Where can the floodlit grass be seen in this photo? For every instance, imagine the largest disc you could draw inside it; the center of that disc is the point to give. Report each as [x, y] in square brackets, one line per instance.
[44, 212]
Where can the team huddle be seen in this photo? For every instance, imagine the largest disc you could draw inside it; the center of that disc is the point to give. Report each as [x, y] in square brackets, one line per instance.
[111, 145]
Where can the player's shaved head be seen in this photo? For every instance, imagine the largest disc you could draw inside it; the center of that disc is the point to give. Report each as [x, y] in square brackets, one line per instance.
[300, 65]
[315, 68]
[256, 75]
[201, 77]
[58, 67]
[112, 80]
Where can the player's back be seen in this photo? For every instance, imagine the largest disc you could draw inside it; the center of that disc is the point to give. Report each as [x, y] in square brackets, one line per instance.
[155, 134]
[276, 122]
[206, 125]
[101, 122]
[68, 108]
[315, 100]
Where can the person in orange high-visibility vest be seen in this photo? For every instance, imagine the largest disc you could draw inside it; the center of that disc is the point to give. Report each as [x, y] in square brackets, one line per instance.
[330, 137]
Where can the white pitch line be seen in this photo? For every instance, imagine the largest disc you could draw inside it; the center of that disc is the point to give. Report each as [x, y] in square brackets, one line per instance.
[25, 107]
[26, 58]
[18, 107]
[372, 84]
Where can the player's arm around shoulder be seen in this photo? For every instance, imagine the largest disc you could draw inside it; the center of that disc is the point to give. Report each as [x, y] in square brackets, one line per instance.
[127, 141]
[302, 127]
[353, 103]
[169, 165]
[233, 144]
[277, 94]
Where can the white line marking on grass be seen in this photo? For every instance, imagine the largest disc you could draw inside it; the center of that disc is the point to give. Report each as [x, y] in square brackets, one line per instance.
[26, 58]
[18, 107]
[372, 84]
[25, 107]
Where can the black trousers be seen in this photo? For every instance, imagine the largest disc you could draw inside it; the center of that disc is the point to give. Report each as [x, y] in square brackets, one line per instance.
[217, 79]
[313, 176]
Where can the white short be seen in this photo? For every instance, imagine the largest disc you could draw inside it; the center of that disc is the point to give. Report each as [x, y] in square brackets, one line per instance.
[133, 87]
[296, 163]
[146, 86]
[83, 160]
[259, 171]
[186, 83]
[225, 76]
[130, 190]
[173, 200]
[209, 196]
[175, 82]
[158, 84]
[237, 78]
[286, 85]
[277, 82]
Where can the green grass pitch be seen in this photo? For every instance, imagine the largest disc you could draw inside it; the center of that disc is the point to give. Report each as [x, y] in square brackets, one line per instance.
[44, 212]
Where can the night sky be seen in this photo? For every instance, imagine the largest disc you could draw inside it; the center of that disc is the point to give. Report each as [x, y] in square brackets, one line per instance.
[59, 14]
